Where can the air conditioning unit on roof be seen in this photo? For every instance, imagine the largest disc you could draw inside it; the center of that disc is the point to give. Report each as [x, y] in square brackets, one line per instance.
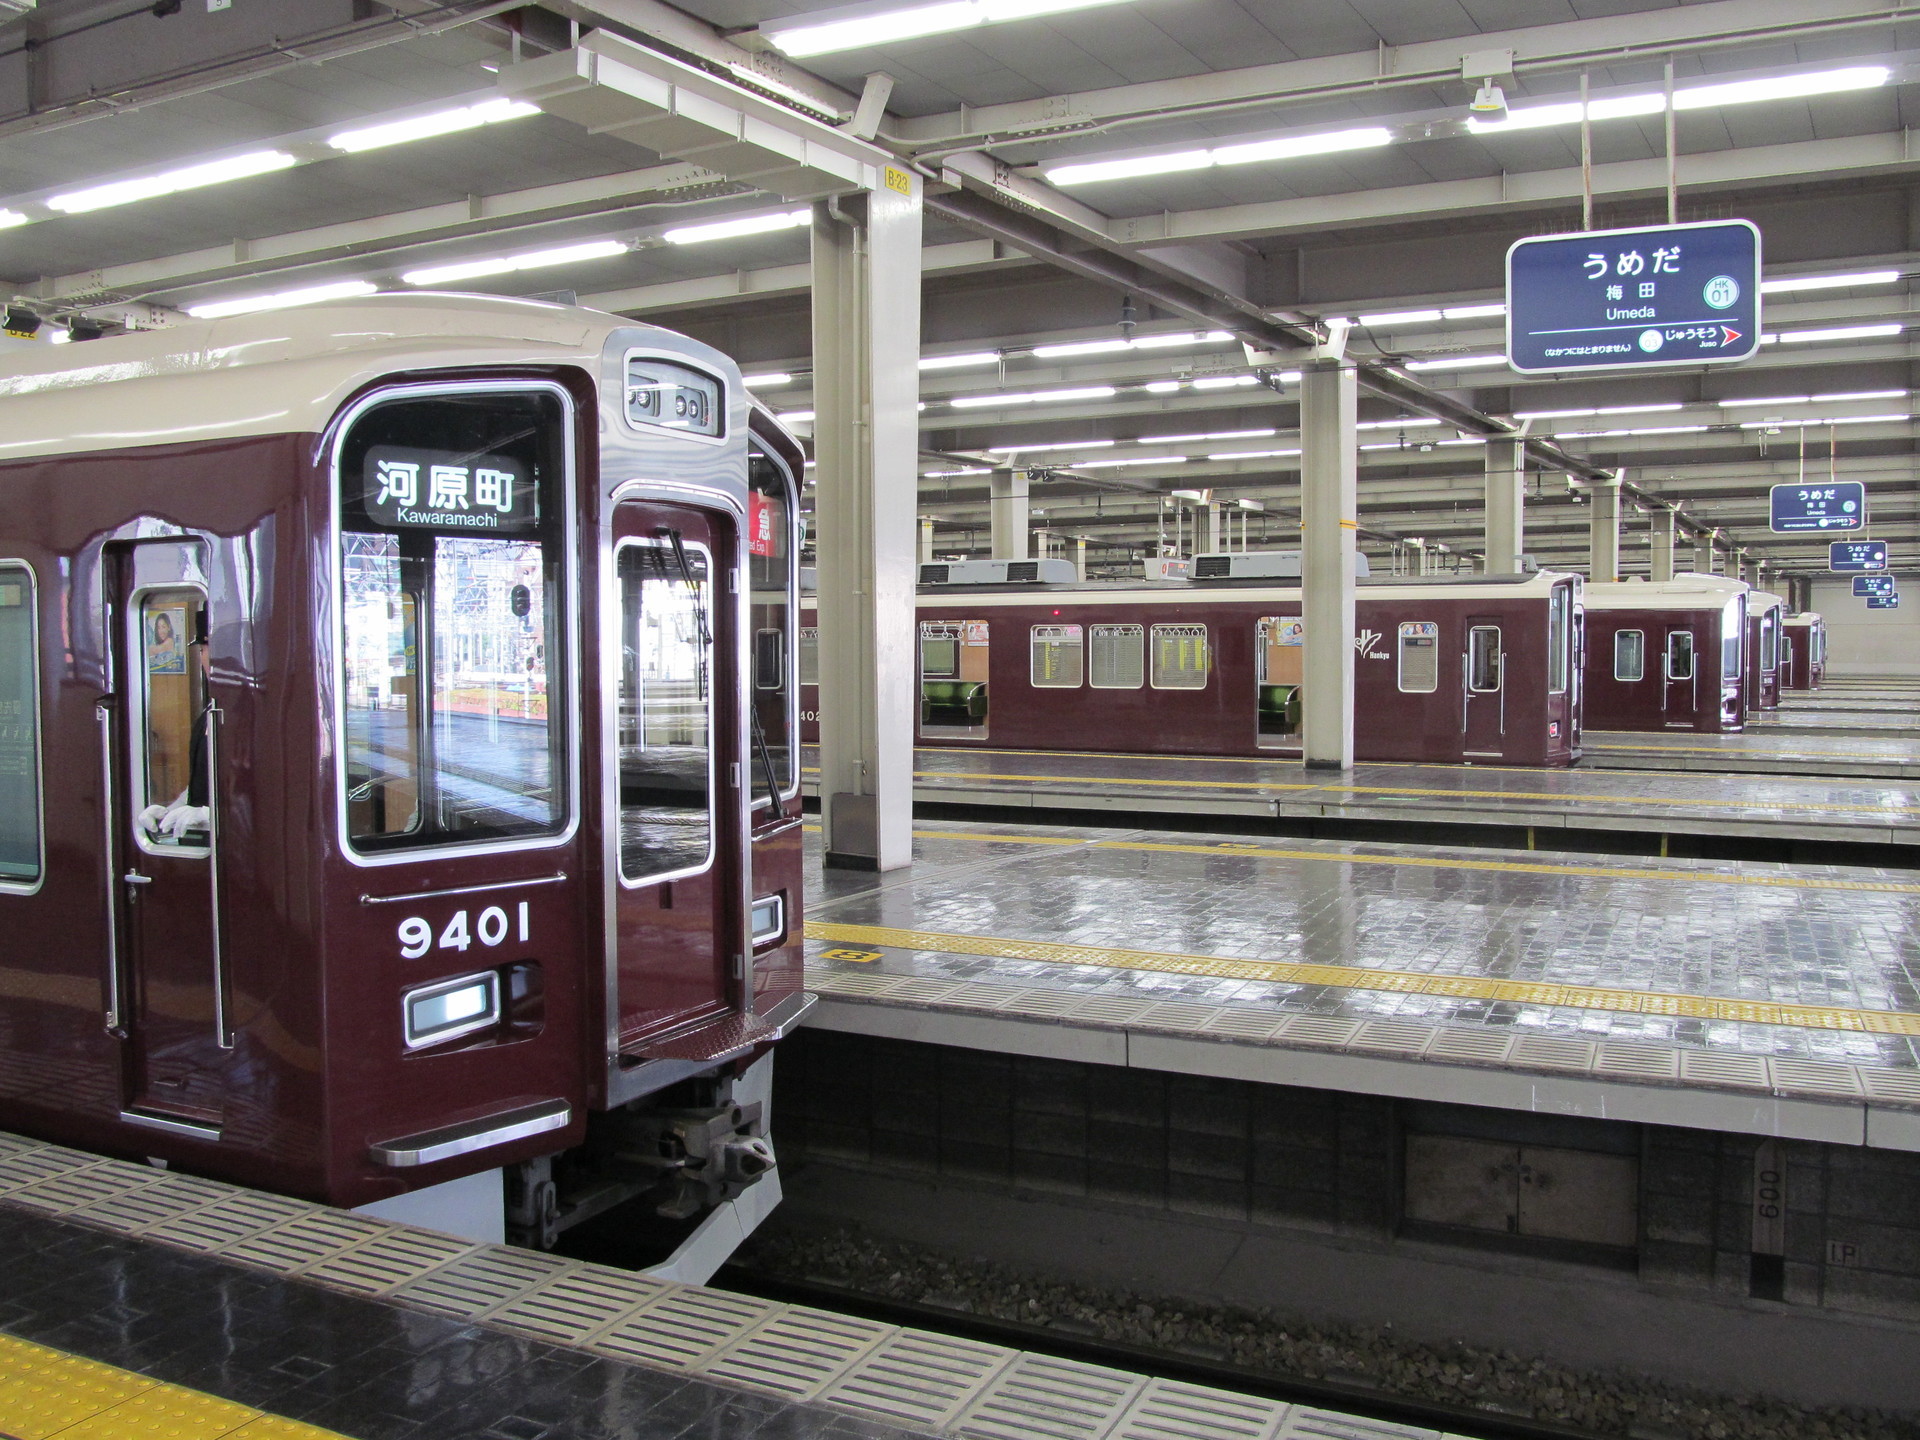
[1260, 565]
[998, 572]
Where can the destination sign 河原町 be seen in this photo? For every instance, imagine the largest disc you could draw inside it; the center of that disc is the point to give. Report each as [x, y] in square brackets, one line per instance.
[1628, 299]
[442, 490]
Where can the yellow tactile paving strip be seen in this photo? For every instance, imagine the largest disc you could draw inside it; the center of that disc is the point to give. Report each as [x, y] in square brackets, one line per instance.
[46, 1393]
[1462, 987]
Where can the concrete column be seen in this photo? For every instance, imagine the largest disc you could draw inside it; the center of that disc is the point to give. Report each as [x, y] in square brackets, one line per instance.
[1007, 507]
[1703, 554]
[866, 357]
[1079, 558]
[1506, 505]
[1329, 518]
[1662, 545]
[1213, 535]
[926, 539]
[1603, 550]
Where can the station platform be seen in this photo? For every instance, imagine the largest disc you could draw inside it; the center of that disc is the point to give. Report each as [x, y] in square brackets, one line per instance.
[1543, 803]
[142, 1305]
[1859, 752]
[1734, 997]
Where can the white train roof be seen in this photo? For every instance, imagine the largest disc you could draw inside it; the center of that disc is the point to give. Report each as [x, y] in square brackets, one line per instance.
[1532, 586]
[1805, 617]
[1683, 592]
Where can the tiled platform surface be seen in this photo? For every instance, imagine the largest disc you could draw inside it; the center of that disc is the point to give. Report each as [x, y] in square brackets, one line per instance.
[385, 1332]
[1736, 997]
[1782, 807]
[1832, 753]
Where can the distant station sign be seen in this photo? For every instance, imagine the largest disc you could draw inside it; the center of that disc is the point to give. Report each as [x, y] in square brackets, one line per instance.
[1883, 602]
[1836, 505]
[1630, 299]
[1851, 556]
[1874, 585]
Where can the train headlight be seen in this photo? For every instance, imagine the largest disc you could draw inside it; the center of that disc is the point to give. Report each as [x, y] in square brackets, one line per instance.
[448, 1008]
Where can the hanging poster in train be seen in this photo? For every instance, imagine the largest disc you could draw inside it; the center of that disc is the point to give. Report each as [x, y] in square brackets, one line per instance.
[407, 488]
[1883, 602]
[763, 524]
[1632, 299]
[1795, 509]
[1847, 556]
[1874, 585]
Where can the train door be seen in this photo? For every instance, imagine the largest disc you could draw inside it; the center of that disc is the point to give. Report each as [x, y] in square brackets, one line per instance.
[1483, 722]
[161, 729]
[677, 848]
[1679, 696]
[1280, 668]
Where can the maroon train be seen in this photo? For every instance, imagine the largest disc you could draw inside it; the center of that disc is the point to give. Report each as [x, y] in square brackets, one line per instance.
[1766, 614]
[380, 809]
[1476, 670]
[1803, 651]
[1667, 655]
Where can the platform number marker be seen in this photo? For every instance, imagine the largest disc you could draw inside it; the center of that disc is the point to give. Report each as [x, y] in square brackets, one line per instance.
[855, 957]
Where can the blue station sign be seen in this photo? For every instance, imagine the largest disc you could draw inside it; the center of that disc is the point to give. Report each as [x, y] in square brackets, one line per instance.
[1850, 556]
[1874, 585]
[1836, 505]
[1883, 602]
[1630, 299]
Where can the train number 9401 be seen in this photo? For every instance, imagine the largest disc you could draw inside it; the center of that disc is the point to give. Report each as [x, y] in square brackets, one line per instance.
[461, 932]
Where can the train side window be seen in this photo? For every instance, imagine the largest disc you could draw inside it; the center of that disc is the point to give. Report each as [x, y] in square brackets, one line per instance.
[1119, 657]
[1559, 637]
[171, 716]
[1059, 656]
[1679, 655]
[666, 711]
[939, 650]
[774, 597]
[1182, 657]
[1483, 659]
[1732, 638]
[20, 817]
[454, 571]
[1629, 655]
[810, 655]
[1419, 656]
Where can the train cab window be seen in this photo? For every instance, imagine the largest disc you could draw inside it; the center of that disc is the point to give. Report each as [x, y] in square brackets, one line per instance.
[773, 588]
[1059, 656]
[1679, 655]
[666, 710]
[1419, 656]
[1770, 640]
[1119, 657]
[1732, 638]
[810, 655]
[1484, 660]
[20, 842]
[170, 714]
[453, 567]
[1629, 654]
[1559, 638]
[1182, 657]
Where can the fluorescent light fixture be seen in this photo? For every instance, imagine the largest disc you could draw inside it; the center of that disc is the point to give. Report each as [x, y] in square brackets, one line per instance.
[1475, 312]
[1137, 460]
[425, 127]
[1828, 282]
[1162, 387]
[1412, 424]
[1080, 347]
[1825, 420]
[1832, 397]
[1049, 445]
[506, 264]
[1471, 440]
[885, 27]
[1666, 430]
[1401, 317]
[1223, 382]
[1839, 332]
[1665, 406]
[1142, 342]
[169, 182]
[731, 229]
[949, 474]
[1161, 342]
[956, 362]
[1213, 435]
[1458, 362]
[1289, 147]
[10, 218]
[1251, 454]
[1033, 397]
[281, 300]
[796, 417]
[1696, 97]
[768, 381]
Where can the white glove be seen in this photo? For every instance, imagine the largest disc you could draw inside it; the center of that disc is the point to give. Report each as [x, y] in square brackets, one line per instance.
[183, 818]
[150, 818]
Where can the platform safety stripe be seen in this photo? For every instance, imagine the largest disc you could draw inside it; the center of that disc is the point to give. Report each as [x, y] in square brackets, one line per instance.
[47, 1392]
[1347, 977]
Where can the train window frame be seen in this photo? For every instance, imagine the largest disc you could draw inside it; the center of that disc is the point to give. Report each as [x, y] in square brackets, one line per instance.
[1115, 634]
[809, 655]
[1559, 639]
[949, 630]
[700, 558]
[723, 406]
[1639, 666]
[1499, 660]
[1693, 656]
[36, 719]
[1769, 640]
[1412, 630]
[1054, 639]
[139, 749]
[563, 680]
[1182, 629]
[789, 632]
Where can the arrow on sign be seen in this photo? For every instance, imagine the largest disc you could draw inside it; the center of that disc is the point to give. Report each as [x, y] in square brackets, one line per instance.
[1728, 335]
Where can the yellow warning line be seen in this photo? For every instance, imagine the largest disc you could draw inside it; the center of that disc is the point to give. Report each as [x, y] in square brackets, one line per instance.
[1461, 987]
[1648, 748]
[49, 1393]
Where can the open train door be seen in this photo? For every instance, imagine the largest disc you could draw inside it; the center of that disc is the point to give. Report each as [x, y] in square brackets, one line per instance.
[1483, 720]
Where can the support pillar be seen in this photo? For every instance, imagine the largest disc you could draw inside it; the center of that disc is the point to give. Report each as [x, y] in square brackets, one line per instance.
[1703, 554]
[1079, 558]
[1213, 539]
[1506, 504]
[1603, 550]
[1662, 545]
[926, 540]
[866, 358]
[1329, 522]
[1008, 509]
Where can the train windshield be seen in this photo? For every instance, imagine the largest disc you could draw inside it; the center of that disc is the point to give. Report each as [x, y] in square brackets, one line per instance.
[1733, 630]
[19, 732]
[453, 563]
[773, 580]
[666, 709]
[1770, 640]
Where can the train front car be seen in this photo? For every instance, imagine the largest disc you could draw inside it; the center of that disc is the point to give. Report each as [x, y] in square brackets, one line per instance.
[407, 836]
[1668, 655]
[1803, 651]
[1765, 616]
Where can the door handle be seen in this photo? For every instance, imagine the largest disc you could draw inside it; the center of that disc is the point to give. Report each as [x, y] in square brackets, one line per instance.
[134, 877]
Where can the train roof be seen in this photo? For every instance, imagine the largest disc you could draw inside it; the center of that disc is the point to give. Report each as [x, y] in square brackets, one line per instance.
[1177, 592]
[1683, 592]
[1765, 600]
[287, 371]
[1805, 617]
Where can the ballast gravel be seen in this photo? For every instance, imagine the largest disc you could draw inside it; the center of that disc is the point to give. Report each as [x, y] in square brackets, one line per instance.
[1497, 1381]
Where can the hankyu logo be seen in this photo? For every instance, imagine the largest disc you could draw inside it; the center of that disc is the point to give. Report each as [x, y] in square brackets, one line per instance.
[1364, 644]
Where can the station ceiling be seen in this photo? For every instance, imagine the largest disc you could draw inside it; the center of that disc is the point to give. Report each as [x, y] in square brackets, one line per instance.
[1284, 162]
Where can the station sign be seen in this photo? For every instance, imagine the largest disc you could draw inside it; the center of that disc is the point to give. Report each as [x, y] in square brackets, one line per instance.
[1850, 556]
[1633, 299]
[1836, 505]
[1883, 602]
[1874, 585]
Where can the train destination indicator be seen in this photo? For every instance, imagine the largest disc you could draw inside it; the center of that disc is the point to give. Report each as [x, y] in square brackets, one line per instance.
[1836, 505]
[441, 490]
[1854, 555]
[1873, 585]
[1883, 602]
[1630, 299]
